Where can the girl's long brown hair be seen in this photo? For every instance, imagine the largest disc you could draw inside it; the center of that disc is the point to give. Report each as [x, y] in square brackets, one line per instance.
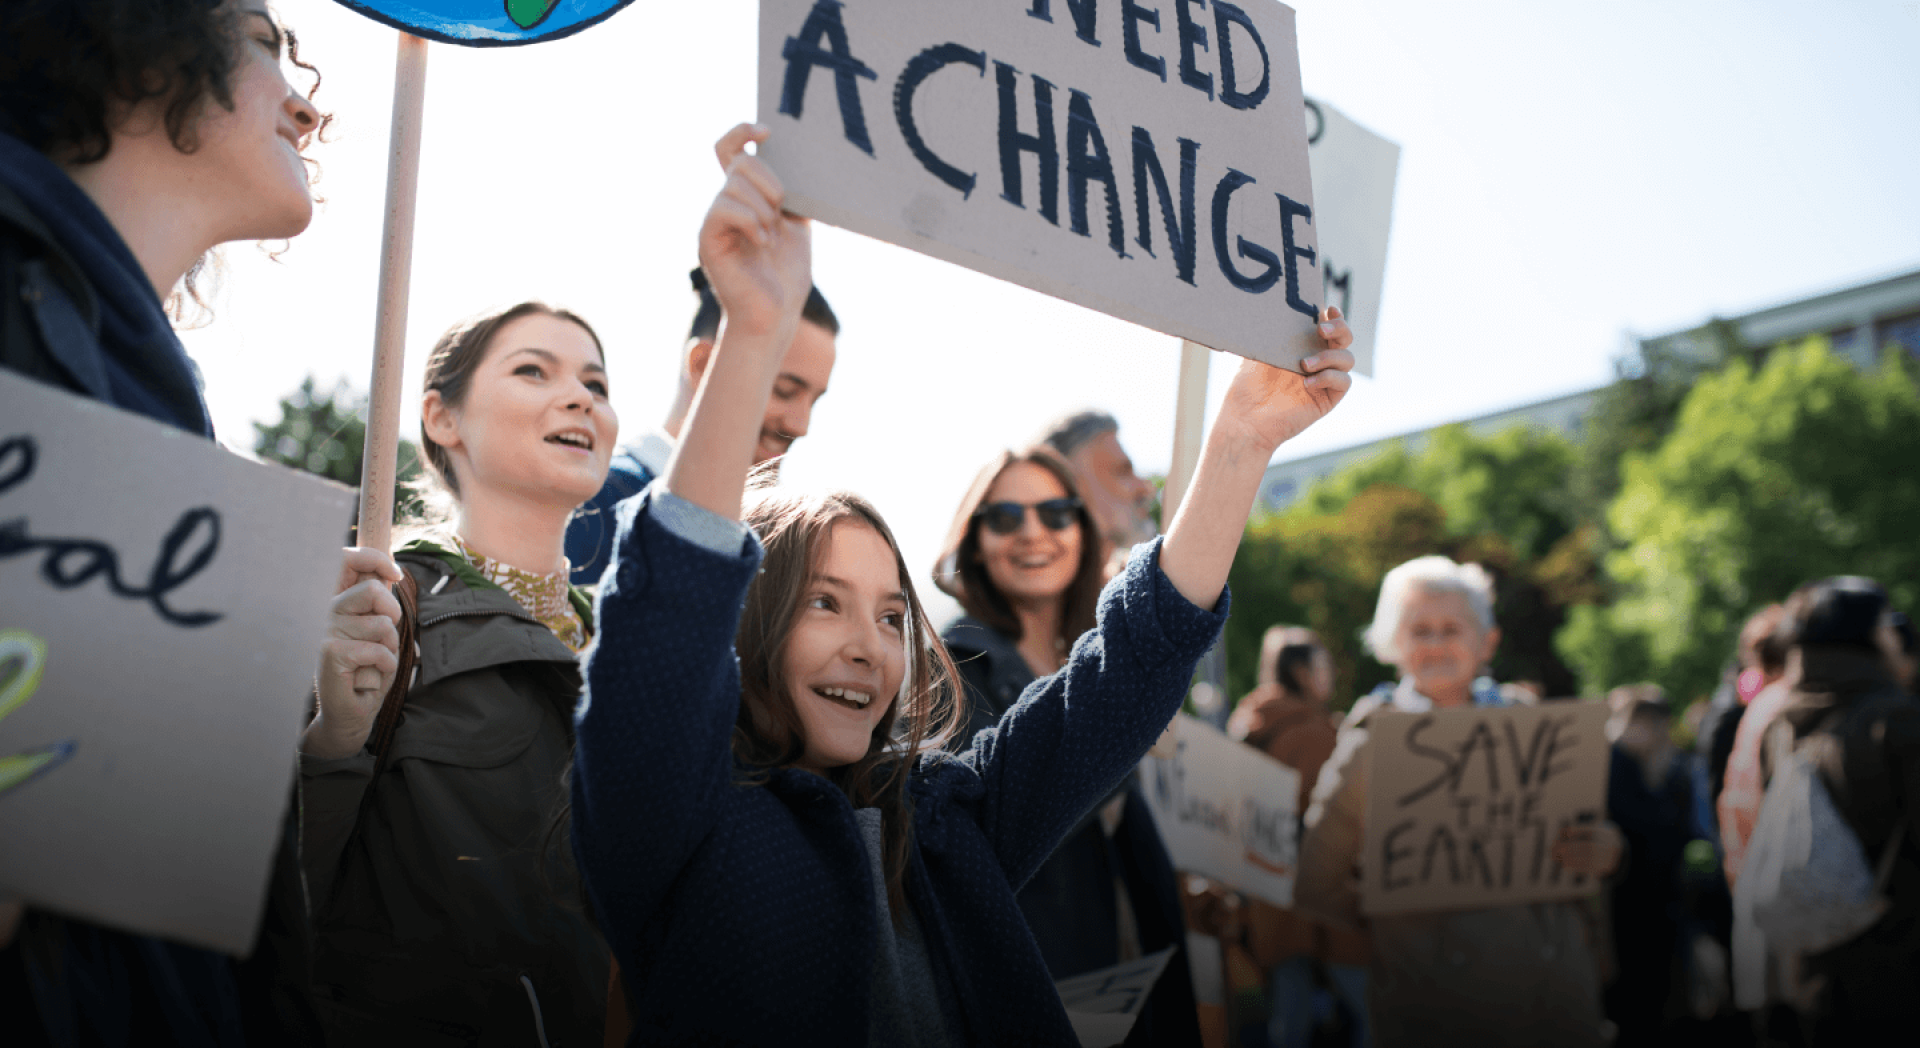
[794, 528]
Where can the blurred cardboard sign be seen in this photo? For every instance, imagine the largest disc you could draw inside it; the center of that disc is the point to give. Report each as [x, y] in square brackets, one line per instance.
[1142, 159]
[1353, 177]
[162, 604]
[1464, 805]
[1225, 810]
[1104, 1004]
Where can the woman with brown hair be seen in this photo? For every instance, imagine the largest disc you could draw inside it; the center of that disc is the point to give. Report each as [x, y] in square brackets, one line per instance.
[1024, 560]
[446, 908]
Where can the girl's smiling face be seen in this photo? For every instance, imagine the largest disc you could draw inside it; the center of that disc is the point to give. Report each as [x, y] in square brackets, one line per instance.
[846, 655]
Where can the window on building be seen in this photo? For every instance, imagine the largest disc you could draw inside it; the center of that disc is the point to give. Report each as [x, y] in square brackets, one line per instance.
[1845, 341]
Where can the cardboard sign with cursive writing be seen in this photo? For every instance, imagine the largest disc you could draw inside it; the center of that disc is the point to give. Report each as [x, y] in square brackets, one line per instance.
[1464, 805]
[162, 603]
[1225, 810]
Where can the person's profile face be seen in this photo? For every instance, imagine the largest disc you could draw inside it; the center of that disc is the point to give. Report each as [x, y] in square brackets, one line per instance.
[1116, 496]
[1320, 676]
[250, 154]
[804, 373]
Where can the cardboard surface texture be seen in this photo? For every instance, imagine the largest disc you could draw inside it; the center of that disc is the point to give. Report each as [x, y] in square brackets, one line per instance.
[1145, 160]
[1353, 177]
[1225, 810]
[162, 605]
[1463, 805]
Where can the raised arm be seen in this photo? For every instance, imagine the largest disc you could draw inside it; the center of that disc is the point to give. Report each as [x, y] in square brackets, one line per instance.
[1265, 407]
[1074, 735]
[759, 262]
[652, 757]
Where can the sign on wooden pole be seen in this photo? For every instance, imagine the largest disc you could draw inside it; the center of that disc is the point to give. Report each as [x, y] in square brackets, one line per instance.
[379, 463]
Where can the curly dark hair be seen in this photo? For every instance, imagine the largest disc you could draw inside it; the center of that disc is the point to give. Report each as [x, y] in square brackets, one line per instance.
[68, 66]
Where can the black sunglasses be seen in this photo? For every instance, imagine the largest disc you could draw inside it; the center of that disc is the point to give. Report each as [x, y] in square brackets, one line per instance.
[1005, 518]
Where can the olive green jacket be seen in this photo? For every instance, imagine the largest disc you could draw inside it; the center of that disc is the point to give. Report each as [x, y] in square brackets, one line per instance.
[446, 907]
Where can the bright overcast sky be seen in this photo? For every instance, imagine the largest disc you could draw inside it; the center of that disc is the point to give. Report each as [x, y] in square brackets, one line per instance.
[1569, 173]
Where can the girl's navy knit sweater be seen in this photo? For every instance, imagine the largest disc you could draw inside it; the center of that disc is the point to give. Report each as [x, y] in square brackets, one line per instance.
[744, 914]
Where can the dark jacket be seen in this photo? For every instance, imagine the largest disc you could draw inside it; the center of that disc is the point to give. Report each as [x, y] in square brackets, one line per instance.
[743, 913]
[590, 532]
[1863, 734]
[77, 312]
[1070, 904]
[446, 907]
[76, 309]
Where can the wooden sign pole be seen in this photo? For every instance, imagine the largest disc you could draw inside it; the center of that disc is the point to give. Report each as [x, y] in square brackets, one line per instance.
[379, 465]
[1189, 425]
[378, 468]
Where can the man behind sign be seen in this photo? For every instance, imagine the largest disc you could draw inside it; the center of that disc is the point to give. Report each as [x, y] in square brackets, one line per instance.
[804, 373]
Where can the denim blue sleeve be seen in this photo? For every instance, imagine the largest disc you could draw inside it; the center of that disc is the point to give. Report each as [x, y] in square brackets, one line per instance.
[1075, 735]
[590, 532]
[652, 746]
[698, 525]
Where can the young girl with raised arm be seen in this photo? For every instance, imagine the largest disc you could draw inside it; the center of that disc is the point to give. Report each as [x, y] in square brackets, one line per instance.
[775, 848]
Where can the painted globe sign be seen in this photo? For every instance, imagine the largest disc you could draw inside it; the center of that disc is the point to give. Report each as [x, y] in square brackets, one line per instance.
[488, 23]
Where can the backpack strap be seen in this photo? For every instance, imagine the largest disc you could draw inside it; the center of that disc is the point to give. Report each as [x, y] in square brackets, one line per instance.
[380, 741]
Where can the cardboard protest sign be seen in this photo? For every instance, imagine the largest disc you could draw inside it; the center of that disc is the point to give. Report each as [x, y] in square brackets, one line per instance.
[1104, 1004]
[1353, 176]
[1143, 158]
[1225, 810]
[1463, 805]
[488, 23]
[162, 604]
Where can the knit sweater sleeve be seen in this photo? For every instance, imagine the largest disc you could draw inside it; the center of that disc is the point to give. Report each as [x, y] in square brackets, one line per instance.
[1075, 735]
[652, 759]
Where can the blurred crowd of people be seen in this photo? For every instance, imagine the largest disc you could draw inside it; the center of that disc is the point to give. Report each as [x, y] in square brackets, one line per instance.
[1663, 955]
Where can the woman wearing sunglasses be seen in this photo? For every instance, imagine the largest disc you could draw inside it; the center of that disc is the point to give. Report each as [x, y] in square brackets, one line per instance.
[1024, 560]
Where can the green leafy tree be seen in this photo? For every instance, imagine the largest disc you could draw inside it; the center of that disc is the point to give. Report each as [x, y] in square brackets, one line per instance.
[326, 434]
[1511, 483]
[1802, 467]
[1637, 411]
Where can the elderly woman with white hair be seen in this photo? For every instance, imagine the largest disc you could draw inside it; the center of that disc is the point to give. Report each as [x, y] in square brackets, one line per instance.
[1512, 975]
